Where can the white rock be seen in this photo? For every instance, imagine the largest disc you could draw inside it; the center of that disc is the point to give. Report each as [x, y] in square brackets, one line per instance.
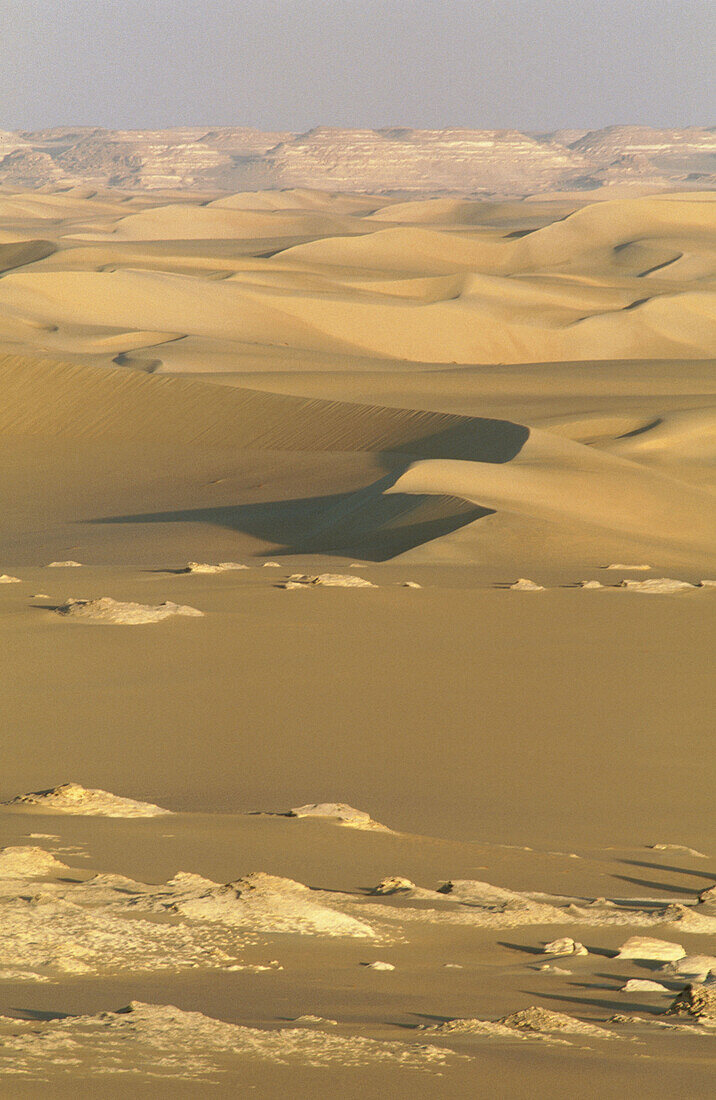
[258, 902]
[205, 567]
[271, 565]
[72, 798]
[523, 585]
[565, 946]
[664, 586]
[396, 884]
[544, 1020]
[590, 584]
[115, 613]
[629, 568]
[64, 565]
[695, 968]
[327, 580]
[707, 584]
[28, 862]
[643, 985]
[5, 578]
[380, 966]
[40, 596]
[644, 947]
[547, 968]
[411, 584]
[677, 848]
[151, 1043]
[337, 811]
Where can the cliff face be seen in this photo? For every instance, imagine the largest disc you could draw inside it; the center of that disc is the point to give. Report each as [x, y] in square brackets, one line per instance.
[495, 162]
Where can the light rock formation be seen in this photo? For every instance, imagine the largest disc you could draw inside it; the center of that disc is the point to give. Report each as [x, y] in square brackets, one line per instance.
[115, 613]
[327, 580]
[565, 946]
[72, 798]
[644, 947]
[339, 812]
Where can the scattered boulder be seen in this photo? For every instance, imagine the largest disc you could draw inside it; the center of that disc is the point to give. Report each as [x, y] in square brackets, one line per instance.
[339, 812]
[708, 896]
[628, 568]
[72, 798]
[5, 578]
[204, 567]
[28, 862]
[379, 966]
[677, 848]
[543, 1020]
[697, 968]
[590, 584]
[64, 565]
[327, 580]
[396, 884]
[411, 584]
[697, 1001]
[524, 585]
[565, 946]
[115, 613]
[664, 586]
[644, 947]
[643, 985]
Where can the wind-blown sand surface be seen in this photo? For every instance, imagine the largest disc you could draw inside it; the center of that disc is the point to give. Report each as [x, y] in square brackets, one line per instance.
[441, 732]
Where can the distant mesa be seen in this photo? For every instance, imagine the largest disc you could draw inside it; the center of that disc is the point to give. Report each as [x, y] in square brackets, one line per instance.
[72, 798]
[452, 160]
[115, 613]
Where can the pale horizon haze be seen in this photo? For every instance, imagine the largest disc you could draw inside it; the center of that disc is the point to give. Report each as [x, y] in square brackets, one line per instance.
[535, 65]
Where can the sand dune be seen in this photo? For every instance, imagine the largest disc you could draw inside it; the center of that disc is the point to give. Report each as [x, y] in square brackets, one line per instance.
[210, 398]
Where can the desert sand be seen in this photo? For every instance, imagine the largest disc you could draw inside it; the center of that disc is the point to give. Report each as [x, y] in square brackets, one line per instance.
[344, 753]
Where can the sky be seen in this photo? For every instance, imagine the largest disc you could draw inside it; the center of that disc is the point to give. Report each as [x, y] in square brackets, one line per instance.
[294, 64]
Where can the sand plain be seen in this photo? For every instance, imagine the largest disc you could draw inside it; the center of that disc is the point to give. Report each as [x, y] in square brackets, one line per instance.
[443, 398]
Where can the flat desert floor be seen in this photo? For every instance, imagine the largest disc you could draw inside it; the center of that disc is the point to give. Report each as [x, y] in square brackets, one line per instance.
[405, 786]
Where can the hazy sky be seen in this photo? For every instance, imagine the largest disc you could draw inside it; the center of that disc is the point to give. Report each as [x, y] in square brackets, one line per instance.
[294, 64]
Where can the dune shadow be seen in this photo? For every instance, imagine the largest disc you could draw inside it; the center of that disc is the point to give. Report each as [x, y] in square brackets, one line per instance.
[41, 1014]
[373, 522]
[711, 875]
[598, 1002]
[652, 885]
[339, 524]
